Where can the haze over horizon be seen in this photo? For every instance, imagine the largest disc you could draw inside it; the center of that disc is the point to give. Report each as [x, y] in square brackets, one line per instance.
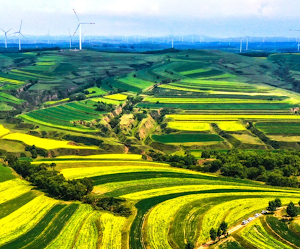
[228, 18]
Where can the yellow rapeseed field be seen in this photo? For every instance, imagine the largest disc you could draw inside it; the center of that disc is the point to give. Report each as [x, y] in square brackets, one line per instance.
[189, 126]
[70, 231]
[181, 189]
[117, 96]
[105, 156]
[3, 130]
[44, 143]
[88, 234]
[112, 231]
[12, 189]
[221, 117]
[11, 81]
[231, 126]
[24, 218]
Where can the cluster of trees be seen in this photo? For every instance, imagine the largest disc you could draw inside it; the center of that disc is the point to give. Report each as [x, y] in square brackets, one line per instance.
[273, 205]
[36, 151]
[278, 168]
[140, 116]
[187, 162]
[131, 102]
[189, 245]
[77, 97]
[104, 107]
[84, 140]
[51, 180]
[115, 121]
[291, 210]
[111, 204]
[217, 233]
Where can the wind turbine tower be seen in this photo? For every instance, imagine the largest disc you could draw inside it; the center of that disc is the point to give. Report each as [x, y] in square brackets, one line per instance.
[48, 35]
[5, 33]
[79, 27]
[19, 35]
[70, 36]
[297, 40]
[241, 45]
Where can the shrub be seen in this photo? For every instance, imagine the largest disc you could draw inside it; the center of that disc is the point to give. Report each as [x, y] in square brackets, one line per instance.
[292, 210]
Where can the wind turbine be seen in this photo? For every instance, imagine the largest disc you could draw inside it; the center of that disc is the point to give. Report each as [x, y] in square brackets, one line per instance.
[36, 38]
[241, 45]
[70, 36]
[83, 35]
[297, 40]
[79, 27]
[19, 35]
[48, 35]
[5, 33]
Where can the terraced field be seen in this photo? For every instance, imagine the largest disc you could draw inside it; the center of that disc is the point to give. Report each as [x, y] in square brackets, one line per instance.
[187, 138]
[196, 202]
[64, 116]
[279, 128]
[3, 131]
[189, 101]
[44, 143]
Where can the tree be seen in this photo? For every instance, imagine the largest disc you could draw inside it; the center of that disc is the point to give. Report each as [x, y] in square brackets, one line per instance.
[205, 154]
[224, 227]
[234, 169]
[272, 206]
[213, 234]
[219, 232]
[52, 165]
[292, 210]
[288, 170]
[11, 159]
[189, 245]
[215, 165]
[278, 202]
[33, 154]
[299, 203]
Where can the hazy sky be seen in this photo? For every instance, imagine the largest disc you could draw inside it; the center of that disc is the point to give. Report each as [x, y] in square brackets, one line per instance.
[220, 18]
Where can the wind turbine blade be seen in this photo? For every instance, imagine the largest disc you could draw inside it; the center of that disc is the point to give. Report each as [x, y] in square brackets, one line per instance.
[8, 30]
[14, 33]
[87, 23]
[21, 25]
[76, 15]
[22, 35]
[2, 30]
[76, 29]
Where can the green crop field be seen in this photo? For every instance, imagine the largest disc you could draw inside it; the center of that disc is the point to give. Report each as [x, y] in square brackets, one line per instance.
[186, 138]
[62, 116]
[219, 106]
[136, 82]
[279, 128]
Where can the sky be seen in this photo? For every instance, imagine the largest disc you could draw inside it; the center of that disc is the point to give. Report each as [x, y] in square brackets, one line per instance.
[215, 18]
